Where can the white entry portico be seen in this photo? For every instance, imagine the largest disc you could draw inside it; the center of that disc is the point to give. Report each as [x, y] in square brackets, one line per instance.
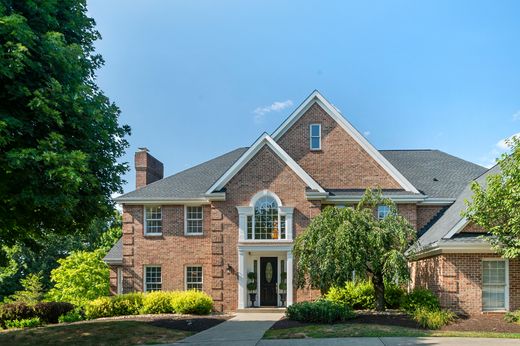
[265, 244]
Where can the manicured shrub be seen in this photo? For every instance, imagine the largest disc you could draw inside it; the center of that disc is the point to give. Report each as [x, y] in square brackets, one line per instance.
[394, 295]
[127, 304]
[433, 319]
[24, 323]
[420, 298]
[72, 316]
[49, 312]
[512, 317]
[15, 311]
[320, 311]
[192, 302]
[159, 302]
[358, 295]
[99, 307]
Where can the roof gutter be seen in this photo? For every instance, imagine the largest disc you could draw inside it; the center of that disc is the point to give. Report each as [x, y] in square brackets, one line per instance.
[163, 201]
[447, 248]
[395, 198]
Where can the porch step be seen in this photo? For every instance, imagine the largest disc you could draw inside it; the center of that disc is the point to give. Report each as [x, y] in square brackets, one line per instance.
[261, 310]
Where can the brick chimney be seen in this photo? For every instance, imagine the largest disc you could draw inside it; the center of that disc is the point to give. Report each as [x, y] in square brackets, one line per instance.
[147, 168]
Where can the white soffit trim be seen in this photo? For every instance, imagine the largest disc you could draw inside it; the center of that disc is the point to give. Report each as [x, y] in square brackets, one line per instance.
[264, 139]
[316, 97]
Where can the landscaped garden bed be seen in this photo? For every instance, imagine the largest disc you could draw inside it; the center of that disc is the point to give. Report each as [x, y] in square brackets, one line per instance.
[394, 323]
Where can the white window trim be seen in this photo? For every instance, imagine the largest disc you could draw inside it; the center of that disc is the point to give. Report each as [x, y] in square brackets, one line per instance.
[244, 212]
[145, 223]
[311, 136]
[186, 220]
[186, 275]
[144, 275]
[506, 295]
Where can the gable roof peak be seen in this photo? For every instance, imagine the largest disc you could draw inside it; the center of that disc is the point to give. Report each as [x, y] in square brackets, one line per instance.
[264, 140]
[334, 113]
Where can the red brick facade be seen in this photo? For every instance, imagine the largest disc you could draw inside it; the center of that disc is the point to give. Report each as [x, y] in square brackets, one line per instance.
[341, 163]
[457, 280]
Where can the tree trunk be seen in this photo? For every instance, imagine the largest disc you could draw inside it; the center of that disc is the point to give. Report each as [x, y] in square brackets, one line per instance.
[379, 287]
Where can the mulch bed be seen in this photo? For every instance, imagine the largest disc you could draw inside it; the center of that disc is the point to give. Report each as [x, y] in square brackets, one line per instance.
[191, 324]
[389, 318]
[484, 323]
[481, 323]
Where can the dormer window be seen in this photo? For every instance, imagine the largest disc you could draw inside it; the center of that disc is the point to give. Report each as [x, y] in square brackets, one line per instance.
[315, 136]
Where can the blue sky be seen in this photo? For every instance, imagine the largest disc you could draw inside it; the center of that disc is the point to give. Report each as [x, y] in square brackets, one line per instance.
[195, 79]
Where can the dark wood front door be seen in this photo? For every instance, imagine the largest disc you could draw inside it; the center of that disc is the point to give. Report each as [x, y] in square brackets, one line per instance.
[268, 281]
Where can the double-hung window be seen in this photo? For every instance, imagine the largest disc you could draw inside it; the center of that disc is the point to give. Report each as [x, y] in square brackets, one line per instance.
[194, 220]
[152, 278]
[494, 285]
[194, 278]
[153, 220]
[315, 136]
[382, 211]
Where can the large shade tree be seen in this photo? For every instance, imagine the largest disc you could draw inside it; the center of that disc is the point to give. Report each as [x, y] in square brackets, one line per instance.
[340, 241]
[59, 134]
[495, 205]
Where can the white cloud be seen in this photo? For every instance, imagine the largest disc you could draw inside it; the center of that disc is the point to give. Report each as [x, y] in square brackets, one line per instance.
[502, 144]
[516, 116]
[366, 133]
[489, 160]
[277, 106]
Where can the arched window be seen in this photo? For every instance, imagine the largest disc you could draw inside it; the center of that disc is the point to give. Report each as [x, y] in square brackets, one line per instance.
[266, 222]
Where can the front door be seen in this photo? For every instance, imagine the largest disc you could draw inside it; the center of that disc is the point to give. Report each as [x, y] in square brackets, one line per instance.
[268, 281]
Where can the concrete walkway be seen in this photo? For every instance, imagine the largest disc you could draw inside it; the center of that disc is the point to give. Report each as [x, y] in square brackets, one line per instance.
[392, 341]
[243, 329]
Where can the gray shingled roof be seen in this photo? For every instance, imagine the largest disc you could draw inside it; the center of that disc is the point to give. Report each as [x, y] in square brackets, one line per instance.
[189, 184]
[422, 167]
[452, 216]
[115, 255]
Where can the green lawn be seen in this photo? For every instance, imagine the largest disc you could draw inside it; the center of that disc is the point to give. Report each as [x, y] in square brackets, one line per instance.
[111, 333]
[375, 330]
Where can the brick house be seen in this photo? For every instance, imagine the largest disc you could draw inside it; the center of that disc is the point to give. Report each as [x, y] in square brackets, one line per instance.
[209, 226]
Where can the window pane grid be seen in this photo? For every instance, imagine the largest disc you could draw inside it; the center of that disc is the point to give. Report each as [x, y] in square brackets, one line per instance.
[283, 231]
[153, 220]
[382, 211]
[153, 281]
[194, 278]
[315, 133]
[250, 227]
[266, 219]
[194, 220]
[494, 285]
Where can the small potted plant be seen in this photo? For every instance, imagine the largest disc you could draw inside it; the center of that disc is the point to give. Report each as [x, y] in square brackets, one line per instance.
[251, 287]
[282, 286]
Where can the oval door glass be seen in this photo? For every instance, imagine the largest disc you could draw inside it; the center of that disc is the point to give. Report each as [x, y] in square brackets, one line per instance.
[269, 272]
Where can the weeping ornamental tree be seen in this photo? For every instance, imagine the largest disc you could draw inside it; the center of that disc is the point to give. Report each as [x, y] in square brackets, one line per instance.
[340, 241]
[60, 140]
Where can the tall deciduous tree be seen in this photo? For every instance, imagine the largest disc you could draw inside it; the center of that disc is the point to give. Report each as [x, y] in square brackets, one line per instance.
[59, 134]
[340, 241]
[496, 205]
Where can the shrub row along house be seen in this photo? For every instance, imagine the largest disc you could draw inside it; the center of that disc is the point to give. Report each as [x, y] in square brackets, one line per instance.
[209, 226]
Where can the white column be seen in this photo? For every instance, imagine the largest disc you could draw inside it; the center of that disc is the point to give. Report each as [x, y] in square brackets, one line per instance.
[242, 279]
[289, 278]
